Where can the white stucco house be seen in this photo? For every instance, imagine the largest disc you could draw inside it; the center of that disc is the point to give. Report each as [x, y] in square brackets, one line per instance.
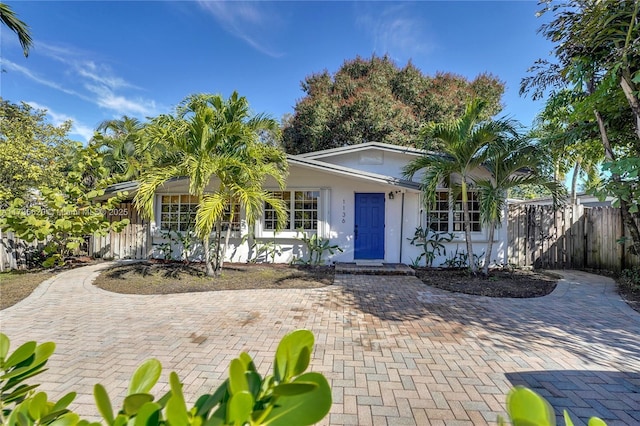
[354, 196]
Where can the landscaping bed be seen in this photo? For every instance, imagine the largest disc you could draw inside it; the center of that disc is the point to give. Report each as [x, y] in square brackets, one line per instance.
[157, 277]
[514, 283]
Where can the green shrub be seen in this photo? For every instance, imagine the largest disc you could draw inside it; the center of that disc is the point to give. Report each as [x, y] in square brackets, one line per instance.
[289, 396]
[527, 408]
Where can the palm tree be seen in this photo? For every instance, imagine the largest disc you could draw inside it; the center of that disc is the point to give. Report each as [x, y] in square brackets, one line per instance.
[9, 18]
[514, 162]
[210, 137]
[126, 151]
[463, 145]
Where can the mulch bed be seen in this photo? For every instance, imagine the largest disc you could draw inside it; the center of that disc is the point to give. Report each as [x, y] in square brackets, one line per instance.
[516, 283]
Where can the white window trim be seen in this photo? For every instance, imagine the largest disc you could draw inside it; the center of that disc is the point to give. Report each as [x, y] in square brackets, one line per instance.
[323, 227]
[458, 236]
[156, 226]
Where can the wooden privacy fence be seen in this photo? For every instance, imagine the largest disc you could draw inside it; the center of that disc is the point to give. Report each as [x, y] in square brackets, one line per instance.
[133, 242]
[16, 253]
[573, 236]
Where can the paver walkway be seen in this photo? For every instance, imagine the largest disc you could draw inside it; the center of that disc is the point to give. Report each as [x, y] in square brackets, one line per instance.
[396, 351]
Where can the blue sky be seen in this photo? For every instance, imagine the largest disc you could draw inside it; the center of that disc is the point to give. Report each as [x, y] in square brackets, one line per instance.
[97, 60]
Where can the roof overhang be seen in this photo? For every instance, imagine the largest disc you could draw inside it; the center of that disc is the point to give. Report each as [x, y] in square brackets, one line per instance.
[361, 147]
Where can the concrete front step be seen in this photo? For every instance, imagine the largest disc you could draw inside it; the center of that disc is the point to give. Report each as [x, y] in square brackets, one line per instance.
[373, 268]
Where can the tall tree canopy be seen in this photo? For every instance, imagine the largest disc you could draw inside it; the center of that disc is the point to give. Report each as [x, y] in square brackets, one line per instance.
[375, 100]
[33, 152]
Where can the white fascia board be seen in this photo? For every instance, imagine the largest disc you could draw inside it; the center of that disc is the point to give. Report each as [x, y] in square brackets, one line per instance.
[361, 147]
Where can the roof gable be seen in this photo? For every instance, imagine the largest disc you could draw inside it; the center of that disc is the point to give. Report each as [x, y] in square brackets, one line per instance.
[333, 152]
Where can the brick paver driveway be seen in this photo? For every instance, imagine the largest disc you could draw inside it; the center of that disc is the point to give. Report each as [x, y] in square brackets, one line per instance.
[396, 351]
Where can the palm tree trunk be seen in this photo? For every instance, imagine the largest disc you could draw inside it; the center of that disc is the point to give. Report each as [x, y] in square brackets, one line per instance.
[574, 183]
[487, 255]
[467, 227]
[206, 242]
[227, 237]
[217, 252]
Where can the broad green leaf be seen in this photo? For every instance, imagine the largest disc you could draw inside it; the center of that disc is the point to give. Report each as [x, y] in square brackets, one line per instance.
[237, 379]
[145, 377]
[295, 388]
[176, 410]
[247, 361]
[254, 381]
[64, 401]
[20, 354]
[303, 409]
[636, 77]
[207, 402]
[527, 407]
[52, 415]
[5, 343]
[17, 393]
[103, 403]
[239, 408]
[38, 405]
[43, 352]
[596, 421]
[148, 415]
[292, 353]
[133, 403]
[69, 419]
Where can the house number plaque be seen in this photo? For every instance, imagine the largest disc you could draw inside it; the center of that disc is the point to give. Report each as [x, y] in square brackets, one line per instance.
[344, 210]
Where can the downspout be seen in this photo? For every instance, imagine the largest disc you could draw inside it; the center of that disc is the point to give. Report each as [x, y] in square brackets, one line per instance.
[401, 224]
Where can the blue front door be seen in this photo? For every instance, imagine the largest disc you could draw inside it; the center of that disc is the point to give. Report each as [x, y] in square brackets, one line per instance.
[369, 226]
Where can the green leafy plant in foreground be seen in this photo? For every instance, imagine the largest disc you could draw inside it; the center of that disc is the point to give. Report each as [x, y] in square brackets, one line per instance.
[19, 403]
[289, 396]
[527, 408]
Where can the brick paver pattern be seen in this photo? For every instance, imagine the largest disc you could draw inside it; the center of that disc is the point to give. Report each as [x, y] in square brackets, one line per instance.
[395, 351]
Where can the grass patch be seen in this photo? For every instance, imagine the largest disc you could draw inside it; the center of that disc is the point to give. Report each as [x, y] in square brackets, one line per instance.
[168, 278]
[16, 285]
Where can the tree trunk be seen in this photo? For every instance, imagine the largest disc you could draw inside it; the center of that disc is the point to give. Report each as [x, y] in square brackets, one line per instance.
[467, 227]
[629, 90]
[217, 253]
[207, 256]
[627, 217]
[487, 255]
[227, 237]
[574, 183]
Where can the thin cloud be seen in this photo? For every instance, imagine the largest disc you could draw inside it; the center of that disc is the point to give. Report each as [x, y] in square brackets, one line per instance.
[395, 31]
[106, 98]
[12, 66]
[101, 85]
[247, 21]
[57, 119]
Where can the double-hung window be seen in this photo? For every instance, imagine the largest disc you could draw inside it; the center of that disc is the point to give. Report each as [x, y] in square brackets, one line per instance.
[302, 211]
[446, 216]
[178, 213]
